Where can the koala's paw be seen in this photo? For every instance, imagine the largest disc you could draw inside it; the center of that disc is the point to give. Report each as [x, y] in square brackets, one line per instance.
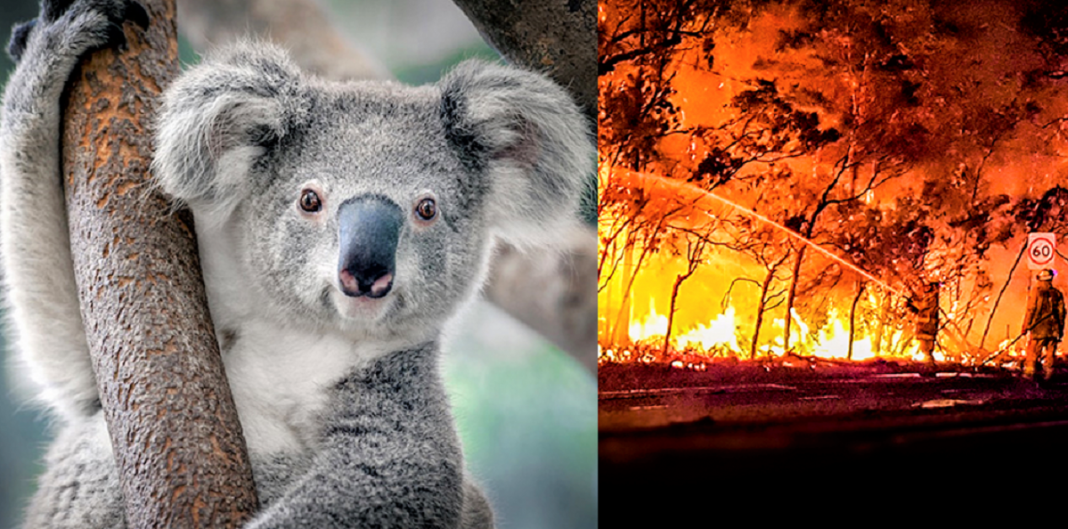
[19, 35]
[69, 30]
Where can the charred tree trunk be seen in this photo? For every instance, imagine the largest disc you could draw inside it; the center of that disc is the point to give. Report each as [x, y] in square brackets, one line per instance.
[809, 231]
[671, 311]
[173, 425]
[671, 308]
[791, 296]
[621, 323]
[760, 312]
[554, 293]
[853, 319]
[694, 252]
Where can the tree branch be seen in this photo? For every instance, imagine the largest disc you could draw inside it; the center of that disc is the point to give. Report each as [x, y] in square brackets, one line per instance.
[173, 424]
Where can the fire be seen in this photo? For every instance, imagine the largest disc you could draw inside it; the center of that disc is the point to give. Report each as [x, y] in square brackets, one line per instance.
[649, 327]
[721, 332]
[833, 342]
[720, 336]
[730, 225]
[640, 277]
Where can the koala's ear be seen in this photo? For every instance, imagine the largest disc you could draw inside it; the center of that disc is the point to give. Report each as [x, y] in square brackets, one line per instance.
[527, 144]
[220, 118]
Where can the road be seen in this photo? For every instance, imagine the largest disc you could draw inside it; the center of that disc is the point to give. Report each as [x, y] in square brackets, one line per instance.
[744, 436]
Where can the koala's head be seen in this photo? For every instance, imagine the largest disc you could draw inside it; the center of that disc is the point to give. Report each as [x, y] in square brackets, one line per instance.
[371, 205]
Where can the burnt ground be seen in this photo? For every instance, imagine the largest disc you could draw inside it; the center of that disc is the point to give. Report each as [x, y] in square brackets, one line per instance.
[675, 443]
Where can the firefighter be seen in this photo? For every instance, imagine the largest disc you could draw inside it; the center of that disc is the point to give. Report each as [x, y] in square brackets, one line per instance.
[925, 307]
[1044, 321]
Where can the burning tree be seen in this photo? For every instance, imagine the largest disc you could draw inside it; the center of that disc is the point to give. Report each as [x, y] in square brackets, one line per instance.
[849, 153]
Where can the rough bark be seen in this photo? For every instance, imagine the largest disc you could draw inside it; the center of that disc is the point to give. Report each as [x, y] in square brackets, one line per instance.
[555, 293]
[173, 425]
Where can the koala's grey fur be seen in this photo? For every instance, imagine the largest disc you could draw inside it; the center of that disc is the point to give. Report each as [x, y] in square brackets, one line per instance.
[340, 397]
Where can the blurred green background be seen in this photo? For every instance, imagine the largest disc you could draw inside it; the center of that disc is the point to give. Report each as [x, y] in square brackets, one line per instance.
[525, 410]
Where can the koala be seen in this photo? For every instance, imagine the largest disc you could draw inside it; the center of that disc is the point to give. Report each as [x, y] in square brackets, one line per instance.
[340, 226]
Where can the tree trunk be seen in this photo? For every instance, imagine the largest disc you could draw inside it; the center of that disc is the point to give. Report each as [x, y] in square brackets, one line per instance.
[177, 441]
[791, 296]
[760, 313]
[853, 319]
[671, 309]
[555, 293]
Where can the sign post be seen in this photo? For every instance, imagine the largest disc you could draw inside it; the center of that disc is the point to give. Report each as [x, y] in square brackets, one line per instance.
[1041, 248]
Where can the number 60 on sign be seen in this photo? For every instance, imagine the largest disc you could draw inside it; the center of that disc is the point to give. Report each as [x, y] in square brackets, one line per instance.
[1041, 248]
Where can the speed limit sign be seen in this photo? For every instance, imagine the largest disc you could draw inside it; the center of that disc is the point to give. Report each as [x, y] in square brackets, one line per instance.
[1041, 247]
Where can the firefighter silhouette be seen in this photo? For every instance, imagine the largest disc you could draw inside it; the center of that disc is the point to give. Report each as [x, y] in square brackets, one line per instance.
[1044, 321]
[925, 307]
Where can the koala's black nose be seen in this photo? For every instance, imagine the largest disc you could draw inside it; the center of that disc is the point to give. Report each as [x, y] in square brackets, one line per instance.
[368, 229]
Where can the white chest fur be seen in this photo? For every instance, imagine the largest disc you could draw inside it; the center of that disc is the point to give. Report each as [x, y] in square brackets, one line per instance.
[280, 370]
[281, 378]
[280, 374]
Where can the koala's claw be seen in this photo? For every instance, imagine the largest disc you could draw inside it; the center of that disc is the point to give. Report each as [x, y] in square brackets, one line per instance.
[86, 25]
[116, 10]
[131, 11]
[136, 13]
[116, 37]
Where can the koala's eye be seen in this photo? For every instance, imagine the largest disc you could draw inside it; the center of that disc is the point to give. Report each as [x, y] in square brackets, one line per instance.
[426, 209]
[309, 201]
